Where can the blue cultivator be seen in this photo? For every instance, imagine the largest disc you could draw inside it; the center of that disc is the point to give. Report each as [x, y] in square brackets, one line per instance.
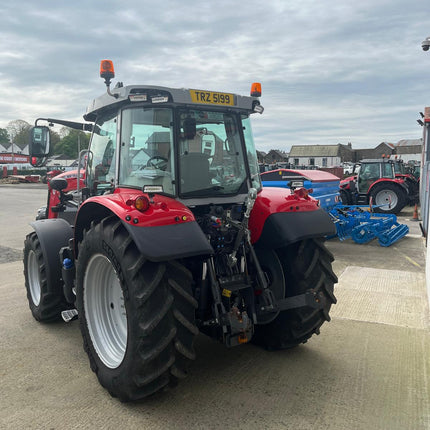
[352, 222]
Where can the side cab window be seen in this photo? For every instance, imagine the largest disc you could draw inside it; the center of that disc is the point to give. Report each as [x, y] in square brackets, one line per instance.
[101, 157]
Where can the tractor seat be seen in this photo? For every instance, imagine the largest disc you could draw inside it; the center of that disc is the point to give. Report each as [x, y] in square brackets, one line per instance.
[194, 171]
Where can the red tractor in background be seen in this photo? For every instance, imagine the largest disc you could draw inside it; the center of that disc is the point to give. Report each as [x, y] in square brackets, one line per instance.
[56, 199]
[409, 174]
[50, 174]
[169, 233]
[375, 183]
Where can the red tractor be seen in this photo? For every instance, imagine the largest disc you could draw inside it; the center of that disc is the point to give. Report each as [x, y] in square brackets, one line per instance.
[375, 182]
[172, 234]
[407, 173]
[50, 174]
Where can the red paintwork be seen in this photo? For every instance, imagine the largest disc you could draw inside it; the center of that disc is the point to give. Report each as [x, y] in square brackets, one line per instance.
[273, 200]
[72, 180]
[162, 211]
[347, 181]
[378, 181]
[52, 173]
[406, 175]
[396, 181]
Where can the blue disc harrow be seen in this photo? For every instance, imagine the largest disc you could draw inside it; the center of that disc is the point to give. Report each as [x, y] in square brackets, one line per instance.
[362, 226]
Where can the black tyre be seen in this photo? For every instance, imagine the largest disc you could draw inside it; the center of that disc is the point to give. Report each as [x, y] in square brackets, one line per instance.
[413, 190]
[306, 265]
[137, 317]
[389, 197]
[345, 197]
[46, 299]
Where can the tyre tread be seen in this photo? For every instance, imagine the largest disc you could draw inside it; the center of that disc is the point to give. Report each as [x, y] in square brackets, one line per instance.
[160, 314]
[307, 266]
[52, 301]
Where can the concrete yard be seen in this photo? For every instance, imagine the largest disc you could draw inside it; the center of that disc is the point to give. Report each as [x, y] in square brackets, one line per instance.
[369, 369]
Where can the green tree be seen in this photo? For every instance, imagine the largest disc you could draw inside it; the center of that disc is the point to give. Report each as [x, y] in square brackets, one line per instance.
[55, 140]
[18, 131]
[68, 145]
[4, 136]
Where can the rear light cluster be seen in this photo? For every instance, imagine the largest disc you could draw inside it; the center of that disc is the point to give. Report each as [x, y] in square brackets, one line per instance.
[140, 203]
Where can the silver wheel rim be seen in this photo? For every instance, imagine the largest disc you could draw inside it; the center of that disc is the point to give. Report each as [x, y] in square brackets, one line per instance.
[33, 277]
[387, 198]
[105, 311]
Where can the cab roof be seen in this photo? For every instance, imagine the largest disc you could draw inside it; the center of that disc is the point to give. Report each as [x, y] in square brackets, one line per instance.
[155, 95]
[378, 160]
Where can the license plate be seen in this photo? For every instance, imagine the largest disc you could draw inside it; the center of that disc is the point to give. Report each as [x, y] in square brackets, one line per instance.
[212, 98]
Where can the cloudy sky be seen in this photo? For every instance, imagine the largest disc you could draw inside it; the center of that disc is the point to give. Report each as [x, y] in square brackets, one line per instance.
[331, 71]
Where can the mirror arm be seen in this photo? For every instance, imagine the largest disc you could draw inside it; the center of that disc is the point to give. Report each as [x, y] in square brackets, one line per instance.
[71, 124]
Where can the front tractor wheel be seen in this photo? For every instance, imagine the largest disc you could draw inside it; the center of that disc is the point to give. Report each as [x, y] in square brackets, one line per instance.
[137, 317]
[305, 265]
[45, 295]
[388, 198]
[345, 197]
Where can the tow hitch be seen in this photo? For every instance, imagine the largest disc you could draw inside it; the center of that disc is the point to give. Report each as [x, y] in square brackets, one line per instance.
[311, 299]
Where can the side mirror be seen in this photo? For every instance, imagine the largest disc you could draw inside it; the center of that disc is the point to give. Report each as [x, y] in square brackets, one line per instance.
[39, 142]
[58, 184]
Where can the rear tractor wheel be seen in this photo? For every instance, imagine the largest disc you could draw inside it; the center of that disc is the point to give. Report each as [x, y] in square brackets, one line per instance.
[388, 198]
[137, 317]
[305, 265]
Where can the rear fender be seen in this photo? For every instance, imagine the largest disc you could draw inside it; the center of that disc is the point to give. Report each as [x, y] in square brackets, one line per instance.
[280, 218]
[53, 234]
[397, 182]
[167, 230]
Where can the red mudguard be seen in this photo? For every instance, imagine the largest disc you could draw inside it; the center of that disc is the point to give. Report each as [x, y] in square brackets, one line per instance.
[280, 217]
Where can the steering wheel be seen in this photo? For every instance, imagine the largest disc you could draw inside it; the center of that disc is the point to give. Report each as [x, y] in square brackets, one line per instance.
[161, 164]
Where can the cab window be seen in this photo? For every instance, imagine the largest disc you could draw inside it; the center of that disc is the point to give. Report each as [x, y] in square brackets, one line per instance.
[147, 149]
[101, 157]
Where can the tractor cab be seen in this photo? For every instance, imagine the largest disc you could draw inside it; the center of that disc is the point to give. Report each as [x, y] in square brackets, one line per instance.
[400, 168]
[183, 144]
[372, 170]
[173, 150]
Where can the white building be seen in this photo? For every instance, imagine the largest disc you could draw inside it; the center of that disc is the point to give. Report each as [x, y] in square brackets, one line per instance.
[320, 155]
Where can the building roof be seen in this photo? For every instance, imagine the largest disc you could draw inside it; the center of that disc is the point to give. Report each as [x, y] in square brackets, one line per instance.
[16, 146]
[409, 142]
[389, 144]
[159, 137]
[315, 151]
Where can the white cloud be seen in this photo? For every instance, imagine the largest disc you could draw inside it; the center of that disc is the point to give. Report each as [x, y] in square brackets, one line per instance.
[331, 71]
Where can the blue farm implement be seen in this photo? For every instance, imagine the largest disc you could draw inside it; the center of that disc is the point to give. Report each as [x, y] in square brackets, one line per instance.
[323, 186]
[352, 222]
